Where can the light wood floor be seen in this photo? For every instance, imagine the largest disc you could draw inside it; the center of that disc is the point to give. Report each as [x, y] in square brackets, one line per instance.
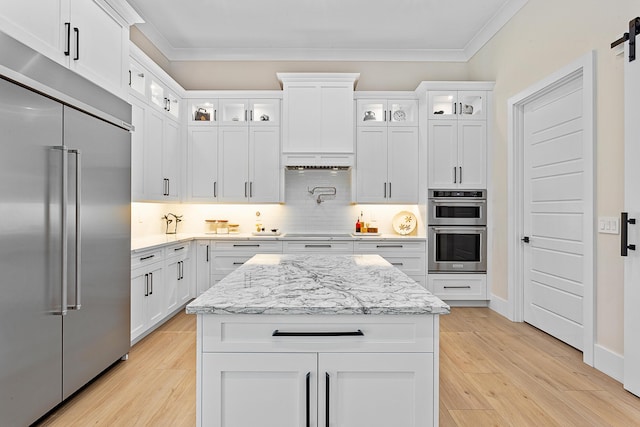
[492, 373]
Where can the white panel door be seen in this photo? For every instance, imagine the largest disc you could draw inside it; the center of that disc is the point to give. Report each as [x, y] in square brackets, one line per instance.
[554, 207]
[259, 389]
[472, 154]
[171, 158]
[203, 164]
[233, 165]
[337, 119]
[376, 389]
[402, 165]
[371, 165]
[154, 184]
[443, 154]
[632, 206]
[264, 165]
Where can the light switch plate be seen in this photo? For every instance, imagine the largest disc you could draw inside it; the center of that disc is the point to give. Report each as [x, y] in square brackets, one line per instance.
[608, 225]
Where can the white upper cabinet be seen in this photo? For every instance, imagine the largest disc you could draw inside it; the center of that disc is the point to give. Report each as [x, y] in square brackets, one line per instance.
[162, 98]
[317, 112]
[454, 105]
[90, 37]
[387, 112]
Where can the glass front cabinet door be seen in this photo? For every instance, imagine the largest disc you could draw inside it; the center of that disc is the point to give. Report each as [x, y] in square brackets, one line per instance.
[457, 105]
[387, 112]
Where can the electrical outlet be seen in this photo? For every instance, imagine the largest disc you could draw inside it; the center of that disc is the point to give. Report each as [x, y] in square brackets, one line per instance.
[608, 225]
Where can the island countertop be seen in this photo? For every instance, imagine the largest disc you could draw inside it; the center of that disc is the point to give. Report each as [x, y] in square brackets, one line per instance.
[317, 284]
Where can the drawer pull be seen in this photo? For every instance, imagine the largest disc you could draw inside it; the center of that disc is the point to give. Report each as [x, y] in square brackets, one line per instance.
[246, 246]
[390, 246]
[317, 246]
[278, 333]
[458, 287]
[238, 263]
[146, 257]
[179, 249]
[397, 263]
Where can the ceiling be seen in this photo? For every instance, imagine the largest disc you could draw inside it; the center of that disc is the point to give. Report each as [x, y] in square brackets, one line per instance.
[337, 30]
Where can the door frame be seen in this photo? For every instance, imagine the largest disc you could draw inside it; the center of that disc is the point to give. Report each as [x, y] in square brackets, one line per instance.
[583, 68]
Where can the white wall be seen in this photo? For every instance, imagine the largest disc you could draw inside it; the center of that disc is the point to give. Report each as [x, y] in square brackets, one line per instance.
[542, 38]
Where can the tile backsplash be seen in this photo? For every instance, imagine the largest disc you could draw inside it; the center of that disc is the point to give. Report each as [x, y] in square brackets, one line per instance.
[299, 213]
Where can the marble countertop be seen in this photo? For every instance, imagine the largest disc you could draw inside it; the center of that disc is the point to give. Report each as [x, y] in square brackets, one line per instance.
[158, 240]
[317, 284]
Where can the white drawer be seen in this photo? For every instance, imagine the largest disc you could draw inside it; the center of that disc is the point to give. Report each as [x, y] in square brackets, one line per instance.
[319, 246]
[458, 286]
[225, 264]
[177, 250]
[255, 333]
[249, 246]
[383, 247]
[409, 264]
[147, 257]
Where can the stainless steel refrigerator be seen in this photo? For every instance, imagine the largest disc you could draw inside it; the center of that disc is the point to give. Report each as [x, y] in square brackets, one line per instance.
[64, 233]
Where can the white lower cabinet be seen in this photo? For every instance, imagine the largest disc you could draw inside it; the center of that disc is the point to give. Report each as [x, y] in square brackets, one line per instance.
[386, 377]
[203, 266]
[161, 283]
[408, 256]
[228, 255]
[147, 296]
[457, 287]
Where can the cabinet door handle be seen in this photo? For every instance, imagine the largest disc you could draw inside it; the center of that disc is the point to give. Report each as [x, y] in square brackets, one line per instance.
[215, 188]
[461, 108]
[237, 245]
[207, 253]
[251, 115]
[250, 188]
[215, 115]
[129, 78]
[144, 258]
[178, 269]
[455, 105]
[400, 264]
[238, 263]
[245, 115]
[179, 249]
[455, 176]
[326, 396]
[357, 333]
[245, 189]
[168, 186]
[389, 190]
[77, 31]
[390, 246]
[151, 283]
[458, 287]
[460, 168]
[181, 270]
[308, 403]
[146, 285]
[624, 234]
[385, 190]
[67, 52]
[317, 246]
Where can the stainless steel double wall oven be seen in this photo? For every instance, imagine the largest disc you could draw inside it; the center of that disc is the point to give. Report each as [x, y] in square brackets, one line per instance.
[457, 231]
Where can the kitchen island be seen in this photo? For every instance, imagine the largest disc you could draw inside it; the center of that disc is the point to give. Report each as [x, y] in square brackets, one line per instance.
[317, 340]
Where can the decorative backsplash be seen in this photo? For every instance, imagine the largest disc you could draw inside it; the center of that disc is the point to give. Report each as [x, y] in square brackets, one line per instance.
[301, 211]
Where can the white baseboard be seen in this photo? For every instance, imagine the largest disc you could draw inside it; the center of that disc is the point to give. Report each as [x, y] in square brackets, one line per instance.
[608, 362]
[500, 306]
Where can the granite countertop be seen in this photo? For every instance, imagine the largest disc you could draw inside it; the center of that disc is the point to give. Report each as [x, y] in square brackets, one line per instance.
[151, 242]
[317, 284]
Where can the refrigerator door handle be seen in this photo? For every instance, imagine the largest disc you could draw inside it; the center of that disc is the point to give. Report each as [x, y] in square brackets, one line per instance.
[63, 231]
[78, 260]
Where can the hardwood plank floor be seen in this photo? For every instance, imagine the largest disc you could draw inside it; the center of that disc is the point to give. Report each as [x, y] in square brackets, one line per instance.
[492, 373]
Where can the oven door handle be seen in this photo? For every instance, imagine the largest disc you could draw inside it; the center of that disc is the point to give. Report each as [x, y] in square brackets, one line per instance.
[459, 202]
[458, 229]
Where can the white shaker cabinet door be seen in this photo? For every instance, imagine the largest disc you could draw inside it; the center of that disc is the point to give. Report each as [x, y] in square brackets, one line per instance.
[443, 154]
[264, 164]
[371, 165]
[203, 164]
[472, 154]
[233, 167]
[171, 158]
[376, 389]
[402, 165]
[259, 389]
[154, 180]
